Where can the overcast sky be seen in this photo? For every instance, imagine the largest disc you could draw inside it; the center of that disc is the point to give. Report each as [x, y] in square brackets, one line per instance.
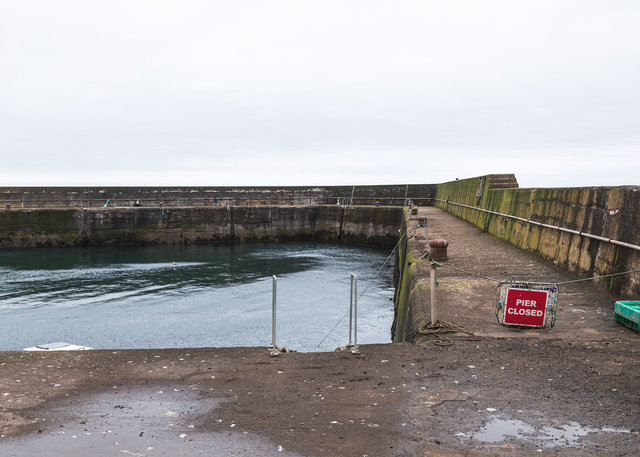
[319, 92]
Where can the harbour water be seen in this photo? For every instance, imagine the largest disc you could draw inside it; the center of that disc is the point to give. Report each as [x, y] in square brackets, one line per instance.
[193, 296]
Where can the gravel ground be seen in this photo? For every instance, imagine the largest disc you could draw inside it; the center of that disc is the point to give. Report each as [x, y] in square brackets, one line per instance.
[568, 391]
[561, 398]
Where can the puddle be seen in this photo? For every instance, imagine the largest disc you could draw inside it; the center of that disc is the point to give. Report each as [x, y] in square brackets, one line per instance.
[568, 435]
[135, 423]
[499, 429]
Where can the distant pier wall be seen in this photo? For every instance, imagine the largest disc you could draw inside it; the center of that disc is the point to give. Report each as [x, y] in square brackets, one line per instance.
[48, 227]
[612, 213]
[95, 197]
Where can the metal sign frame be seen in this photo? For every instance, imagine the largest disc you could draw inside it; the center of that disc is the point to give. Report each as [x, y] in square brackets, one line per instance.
[504, 305]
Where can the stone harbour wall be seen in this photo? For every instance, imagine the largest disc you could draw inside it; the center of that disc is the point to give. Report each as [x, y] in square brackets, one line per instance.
[609, 212]
[407, 308]
[366, 225]
[96, 197]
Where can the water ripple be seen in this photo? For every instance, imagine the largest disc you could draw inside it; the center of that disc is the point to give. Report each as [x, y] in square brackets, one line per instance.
[188, 296]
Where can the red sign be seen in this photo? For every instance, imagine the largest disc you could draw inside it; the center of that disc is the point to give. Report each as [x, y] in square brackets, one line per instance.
[525, 307]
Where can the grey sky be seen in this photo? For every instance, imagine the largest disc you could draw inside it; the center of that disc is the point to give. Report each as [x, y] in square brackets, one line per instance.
[328, 92]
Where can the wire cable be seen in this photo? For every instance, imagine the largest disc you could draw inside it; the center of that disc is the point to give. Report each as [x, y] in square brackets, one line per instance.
[504, 281]
[365, 289]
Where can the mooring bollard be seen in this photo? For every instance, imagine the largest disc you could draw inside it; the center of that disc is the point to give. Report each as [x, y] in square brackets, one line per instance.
[438, 249]
[274, 349]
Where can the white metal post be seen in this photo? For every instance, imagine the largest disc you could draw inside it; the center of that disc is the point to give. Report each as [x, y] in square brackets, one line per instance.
[350, 343]
[434, 307]
[273, 347]
[355, 350]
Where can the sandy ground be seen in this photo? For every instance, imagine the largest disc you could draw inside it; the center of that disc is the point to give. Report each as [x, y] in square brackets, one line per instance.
[568, 391]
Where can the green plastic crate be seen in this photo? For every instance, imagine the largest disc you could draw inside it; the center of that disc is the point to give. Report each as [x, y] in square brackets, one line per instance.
[628, 313]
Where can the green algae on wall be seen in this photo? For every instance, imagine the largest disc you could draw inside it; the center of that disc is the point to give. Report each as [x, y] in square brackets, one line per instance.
[402, 310]
[366, 225]
[411, 289]
[38, 228]
[609, 212]
[371, 225]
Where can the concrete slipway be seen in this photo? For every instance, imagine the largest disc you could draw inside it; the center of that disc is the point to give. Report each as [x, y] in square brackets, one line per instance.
[568, 391]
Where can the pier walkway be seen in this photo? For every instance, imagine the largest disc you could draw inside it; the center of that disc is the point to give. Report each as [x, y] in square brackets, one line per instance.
[467, 291]
[572, 390]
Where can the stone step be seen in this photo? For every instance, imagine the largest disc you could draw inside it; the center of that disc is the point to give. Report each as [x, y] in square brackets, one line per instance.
[506, 181]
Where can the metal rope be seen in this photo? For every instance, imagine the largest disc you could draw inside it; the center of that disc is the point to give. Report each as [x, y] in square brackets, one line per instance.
[383, 264]
[489, 278]
[503, 281]
[365, 289]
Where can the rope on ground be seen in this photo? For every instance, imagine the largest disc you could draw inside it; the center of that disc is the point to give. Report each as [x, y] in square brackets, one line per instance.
[365, 289]
[441, 328]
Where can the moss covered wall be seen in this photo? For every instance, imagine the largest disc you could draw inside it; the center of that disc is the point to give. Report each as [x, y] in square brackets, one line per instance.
[402, 321]
[367, 225]
[610, 212]
[412, 287]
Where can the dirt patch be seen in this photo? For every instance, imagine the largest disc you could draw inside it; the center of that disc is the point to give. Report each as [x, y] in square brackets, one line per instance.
[390, 400]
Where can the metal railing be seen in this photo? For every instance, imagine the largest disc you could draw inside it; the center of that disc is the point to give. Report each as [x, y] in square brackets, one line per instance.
[549, 226]
[353, 317]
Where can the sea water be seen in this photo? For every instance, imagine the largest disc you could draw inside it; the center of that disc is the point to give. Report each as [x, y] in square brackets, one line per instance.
[193, 296]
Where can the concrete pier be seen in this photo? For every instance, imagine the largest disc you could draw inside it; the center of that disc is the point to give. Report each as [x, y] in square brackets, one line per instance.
[567, 391]
[468, 285]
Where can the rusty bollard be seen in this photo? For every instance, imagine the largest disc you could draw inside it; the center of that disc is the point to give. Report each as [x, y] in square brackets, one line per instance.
[422, 221]
[414, 210]
[438, 249]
